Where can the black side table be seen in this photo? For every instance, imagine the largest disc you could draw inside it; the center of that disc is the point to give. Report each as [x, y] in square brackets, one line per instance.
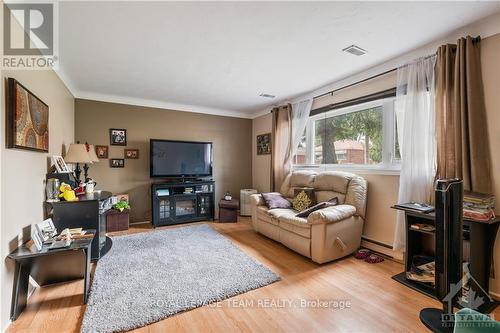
[28, 258]
[481, 238]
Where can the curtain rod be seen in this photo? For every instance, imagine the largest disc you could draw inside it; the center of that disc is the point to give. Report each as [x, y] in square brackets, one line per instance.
[364, 80]
[474, 40]
[355, 83]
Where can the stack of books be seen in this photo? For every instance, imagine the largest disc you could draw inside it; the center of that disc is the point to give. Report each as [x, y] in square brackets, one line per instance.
[478, 206]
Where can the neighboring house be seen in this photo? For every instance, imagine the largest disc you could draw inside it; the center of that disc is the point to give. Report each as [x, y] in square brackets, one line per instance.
[347, 151]
[350, 152]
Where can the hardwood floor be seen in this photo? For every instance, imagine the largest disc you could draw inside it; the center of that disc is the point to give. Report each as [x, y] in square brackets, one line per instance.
[377, 303]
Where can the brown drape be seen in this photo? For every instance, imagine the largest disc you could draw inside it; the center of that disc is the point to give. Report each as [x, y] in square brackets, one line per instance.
[461, 132]
[281, 143]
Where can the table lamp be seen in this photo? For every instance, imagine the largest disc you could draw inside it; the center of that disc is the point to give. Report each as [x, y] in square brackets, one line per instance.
[80, 153]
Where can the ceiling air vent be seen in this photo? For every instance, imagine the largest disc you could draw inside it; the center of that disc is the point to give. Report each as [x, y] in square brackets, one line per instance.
[267, 95]
[354, 49]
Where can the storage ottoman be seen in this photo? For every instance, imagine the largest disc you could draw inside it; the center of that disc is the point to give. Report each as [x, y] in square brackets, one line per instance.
[228, 210]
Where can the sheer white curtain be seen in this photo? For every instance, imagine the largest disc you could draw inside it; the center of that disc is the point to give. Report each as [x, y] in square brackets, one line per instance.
[415, 112]
[300, 116]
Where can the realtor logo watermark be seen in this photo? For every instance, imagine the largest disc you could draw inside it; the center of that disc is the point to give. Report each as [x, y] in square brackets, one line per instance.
[29, 35]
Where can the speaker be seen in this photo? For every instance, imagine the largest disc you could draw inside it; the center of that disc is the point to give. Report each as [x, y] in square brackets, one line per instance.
[448, 253]
[449, 221]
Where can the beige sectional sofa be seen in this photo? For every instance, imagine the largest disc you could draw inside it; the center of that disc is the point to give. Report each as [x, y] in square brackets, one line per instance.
[327, 234]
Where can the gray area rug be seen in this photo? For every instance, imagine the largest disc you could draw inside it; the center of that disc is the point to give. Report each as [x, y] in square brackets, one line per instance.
[149, 276]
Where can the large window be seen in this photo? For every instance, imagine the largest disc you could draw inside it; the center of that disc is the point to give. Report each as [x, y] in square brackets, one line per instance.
[359, 136]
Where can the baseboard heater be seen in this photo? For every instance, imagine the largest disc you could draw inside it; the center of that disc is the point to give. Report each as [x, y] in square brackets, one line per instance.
[366, 239]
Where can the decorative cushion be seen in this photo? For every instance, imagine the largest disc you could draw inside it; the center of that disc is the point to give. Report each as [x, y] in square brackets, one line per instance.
[306, 212]
[275, 200]
[303, 198]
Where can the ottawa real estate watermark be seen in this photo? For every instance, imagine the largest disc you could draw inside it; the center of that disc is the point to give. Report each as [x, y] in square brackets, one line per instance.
[469, 294]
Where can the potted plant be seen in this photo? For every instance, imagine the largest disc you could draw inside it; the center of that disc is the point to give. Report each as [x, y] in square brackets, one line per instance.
[121, 205]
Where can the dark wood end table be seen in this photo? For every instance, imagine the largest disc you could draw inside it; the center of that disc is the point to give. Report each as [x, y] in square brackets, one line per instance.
[26, 258]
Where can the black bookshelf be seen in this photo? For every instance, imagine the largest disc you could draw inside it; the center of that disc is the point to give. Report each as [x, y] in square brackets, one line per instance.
[182, 202]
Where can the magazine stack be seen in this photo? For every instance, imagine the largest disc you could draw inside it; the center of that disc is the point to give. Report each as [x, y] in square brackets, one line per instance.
[478, 206]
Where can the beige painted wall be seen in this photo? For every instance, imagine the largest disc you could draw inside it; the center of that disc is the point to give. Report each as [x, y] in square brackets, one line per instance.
[380, 218]
[231, 138]
[261, 164]
[23, 172]
[490, 61]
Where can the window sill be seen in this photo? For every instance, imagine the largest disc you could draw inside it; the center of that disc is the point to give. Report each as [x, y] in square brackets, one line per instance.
[360, 169]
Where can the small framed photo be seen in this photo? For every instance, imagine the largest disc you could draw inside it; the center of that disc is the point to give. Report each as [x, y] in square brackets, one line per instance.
[37, 239]
[117, 137]
[60, 165]
[132, 153]
[264, 144]
[102, 151]
[117, 163]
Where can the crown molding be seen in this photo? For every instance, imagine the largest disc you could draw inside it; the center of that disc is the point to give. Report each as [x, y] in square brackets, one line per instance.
[147, 102]
[160, 104]
[262, 112]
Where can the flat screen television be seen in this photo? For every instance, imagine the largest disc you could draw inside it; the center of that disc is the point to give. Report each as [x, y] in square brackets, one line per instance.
[180, 159]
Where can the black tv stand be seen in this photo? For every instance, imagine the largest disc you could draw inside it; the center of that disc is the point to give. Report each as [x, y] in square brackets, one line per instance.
[182, 201]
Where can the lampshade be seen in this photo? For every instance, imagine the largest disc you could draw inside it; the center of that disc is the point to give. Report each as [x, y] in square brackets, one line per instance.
[93, 155]
[77, 153]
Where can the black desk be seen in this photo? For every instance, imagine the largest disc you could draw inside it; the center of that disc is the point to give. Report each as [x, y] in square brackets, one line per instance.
[481, 237]
[26, 259]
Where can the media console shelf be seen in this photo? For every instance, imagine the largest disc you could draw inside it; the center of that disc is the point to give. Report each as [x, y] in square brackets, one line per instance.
[182, 202]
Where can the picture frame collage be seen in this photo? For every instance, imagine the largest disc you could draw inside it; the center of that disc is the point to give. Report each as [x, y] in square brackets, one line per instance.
[117, 137]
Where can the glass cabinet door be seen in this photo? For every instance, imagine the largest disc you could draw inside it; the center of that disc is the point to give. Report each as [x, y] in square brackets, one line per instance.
[164, 208]
[205, 205]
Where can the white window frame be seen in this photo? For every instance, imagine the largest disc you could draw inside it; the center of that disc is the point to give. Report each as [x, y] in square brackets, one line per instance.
[389, 164]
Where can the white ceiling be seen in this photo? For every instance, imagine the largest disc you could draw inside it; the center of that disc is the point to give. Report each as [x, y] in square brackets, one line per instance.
[218, 57]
